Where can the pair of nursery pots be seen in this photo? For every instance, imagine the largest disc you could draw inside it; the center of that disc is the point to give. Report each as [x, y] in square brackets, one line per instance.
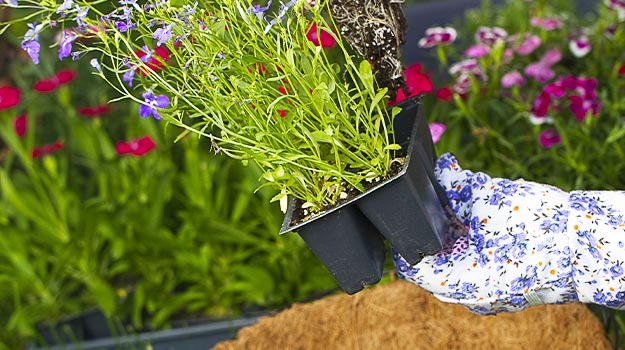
[406, 210]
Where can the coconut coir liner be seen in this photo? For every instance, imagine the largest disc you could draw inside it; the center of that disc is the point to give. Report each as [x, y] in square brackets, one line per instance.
[400, 315]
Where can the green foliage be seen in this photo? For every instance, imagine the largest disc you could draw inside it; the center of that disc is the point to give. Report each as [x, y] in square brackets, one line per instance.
[175, 233]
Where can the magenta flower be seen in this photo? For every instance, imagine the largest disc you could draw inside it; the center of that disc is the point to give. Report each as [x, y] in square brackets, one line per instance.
[477, 51]
[528, 45]
[437, 130]
[580, 47]
[490, 35]
[320, 37]
[546, 23]
[551, 57]
[582, 107]
[511, 79]
[438, 36]
[540, 106]
[549, 138]
[19, 124]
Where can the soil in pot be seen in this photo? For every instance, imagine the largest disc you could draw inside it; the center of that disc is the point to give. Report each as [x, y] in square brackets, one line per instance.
[399, 315]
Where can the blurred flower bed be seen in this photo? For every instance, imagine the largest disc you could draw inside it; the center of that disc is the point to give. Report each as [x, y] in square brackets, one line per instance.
[534, 90]
[102, 209]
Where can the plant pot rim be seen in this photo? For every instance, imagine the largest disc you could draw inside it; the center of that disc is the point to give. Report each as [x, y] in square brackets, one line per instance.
[286, 227]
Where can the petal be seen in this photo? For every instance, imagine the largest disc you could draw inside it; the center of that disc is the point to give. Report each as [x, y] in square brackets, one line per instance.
[162, 101]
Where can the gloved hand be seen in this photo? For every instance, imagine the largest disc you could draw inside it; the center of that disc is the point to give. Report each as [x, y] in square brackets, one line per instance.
[513, 249]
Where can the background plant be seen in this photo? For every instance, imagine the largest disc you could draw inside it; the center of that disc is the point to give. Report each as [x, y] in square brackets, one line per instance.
[101, 209]
[535, 90]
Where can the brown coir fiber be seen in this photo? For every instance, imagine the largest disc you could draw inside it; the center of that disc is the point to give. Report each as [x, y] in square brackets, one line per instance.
[399, 315]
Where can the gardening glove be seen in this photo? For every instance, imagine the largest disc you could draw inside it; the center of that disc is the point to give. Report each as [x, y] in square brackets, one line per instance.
[522, 243]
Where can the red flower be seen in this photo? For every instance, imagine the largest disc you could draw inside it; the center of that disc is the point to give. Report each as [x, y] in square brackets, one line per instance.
[320, 37]
[154, 63]
[281, 113]
[94, 111]
[47, 149]
[621, 70]
[9, 97]
[19, 124]
[137, 147]
[60, 78]
[445, 94]
[416, 83]
[65, 76]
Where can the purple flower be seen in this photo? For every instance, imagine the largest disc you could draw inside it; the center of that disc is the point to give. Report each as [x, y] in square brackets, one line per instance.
[580, 47]
[438, 36]
[65, 47]
[128, 76]
[511, 79]
[489, 36]
[32, 48]
[163, 34]
[12, 3]
[65, 7]
[529, 44]
[477, 51]
[124, 27]
[548, 138]
[81, 14]
[546, 23]
[258, 10]
[151, 103]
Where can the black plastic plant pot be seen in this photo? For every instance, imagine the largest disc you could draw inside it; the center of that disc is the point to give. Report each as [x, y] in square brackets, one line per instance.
[345, 242]
[406, 208]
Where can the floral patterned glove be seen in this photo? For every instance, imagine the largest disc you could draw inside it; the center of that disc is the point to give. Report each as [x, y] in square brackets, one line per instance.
[512, 251]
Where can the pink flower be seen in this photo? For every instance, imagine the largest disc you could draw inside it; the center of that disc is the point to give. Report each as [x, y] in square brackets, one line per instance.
[490, 35]
[47, 149]
[477, 51]
[546, 23]
[320, 37]
[511, 79]
[437, 130]
[9, 97]
[618, 6]
[548, 138]
[465, 66]
[541, 70]
[529, 44]
[137, 147]
[19, 124]
[580, 47]
[438, 36]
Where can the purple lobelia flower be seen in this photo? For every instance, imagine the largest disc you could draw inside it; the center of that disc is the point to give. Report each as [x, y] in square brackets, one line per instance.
[30, 43]
[163, 34]
[151, 103]
[65, 7]
[259, 10]
[65, 47]
[11, 3]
